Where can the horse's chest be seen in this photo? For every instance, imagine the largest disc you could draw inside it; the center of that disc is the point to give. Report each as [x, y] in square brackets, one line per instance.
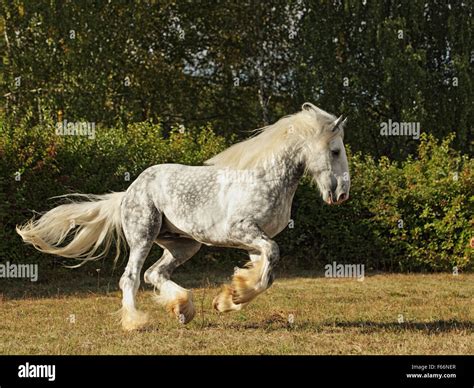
[278, 215]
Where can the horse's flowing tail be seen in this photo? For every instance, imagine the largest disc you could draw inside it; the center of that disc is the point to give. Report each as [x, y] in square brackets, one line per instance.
[78, 229]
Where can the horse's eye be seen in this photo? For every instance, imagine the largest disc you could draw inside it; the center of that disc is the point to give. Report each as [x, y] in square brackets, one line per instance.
[335, 153]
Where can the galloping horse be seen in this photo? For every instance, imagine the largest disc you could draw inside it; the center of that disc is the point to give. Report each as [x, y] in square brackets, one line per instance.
[240, 198]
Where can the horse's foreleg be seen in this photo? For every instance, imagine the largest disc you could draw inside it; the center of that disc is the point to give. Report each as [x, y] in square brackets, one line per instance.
[176, 299]
[257, 275]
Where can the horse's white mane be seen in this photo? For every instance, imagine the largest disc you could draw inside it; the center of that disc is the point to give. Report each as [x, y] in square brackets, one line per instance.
[286, 133]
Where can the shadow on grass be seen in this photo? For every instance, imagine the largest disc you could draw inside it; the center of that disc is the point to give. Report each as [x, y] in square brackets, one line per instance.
[87, 283]
[433, 327]
[364, 327]
[102, 280]
[94, 279]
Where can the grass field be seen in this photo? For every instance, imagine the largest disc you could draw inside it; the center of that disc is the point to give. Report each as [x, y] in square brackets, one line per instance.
[300, 314]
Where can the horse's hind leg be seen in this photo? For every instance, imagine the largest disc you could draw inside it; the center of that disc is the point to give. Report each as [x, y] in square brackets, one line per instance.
[141, 223]
[176, 299]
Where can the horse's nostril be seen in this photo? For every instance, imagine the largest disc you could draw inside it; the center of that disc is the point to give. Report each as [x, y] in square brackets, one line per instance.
[342, 197]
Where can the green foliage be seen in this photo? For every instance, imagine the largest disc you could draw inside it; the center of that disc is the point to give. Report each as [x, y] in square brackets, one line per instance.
[240, 65]
[36, 164]
[431, 193]
[234, 67]
[409, 216]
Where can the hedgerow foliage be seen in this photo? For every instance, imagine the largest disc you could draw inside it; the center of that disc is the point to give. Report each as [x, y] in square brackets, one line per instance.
[410, 216]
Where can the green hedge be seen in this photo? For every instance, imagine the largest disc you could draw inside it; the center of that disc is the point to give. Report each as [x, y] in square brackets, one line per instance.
[413, 216]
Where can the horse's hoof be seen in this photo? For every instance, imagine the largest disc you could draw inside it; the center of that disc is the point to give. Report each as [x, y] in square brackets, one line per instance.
[244, 295]
[184, 310]
[178, 301]
[224, 303]
[133, 320]
[242, 291]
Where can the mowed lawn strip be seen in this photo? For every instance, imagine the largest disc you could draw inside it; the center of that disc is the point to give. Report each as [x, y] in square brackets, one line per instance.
[383, 314]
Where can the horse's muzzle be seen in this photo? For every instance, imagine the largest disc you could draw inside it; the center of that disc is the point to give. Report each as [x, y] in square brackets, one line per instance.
[341, 197]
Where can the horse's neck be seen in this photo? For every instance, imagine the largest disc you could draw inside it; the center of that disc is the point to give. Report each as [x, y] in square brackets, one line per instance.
[284, 173]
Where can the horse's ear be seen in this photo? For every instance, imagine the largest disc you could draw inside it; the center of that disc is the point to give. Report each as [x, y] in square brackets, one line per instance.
[307, 106]
[339, 123]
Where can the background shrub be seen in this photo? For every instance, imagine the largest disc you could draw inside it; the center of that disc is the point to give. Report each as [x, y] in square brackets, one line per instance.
[414, 215]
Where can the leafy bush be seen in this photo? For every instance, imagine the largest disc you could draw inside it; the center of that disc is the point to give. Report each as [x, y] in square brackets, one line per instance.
[36, 164]
[409, 216]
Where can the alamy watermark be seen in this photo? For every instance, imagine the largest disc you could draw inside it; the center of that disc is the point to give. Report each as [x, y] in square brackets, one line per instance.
[18, 271]
[77, 128]
[237, 176]
[335, 270]
[32, 371]
[395, 128]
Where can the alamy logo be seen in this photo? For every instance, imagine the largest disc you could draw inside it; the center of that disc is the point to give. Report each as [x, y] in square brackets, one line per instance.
[79, 128]
[236, 176]
[395, 128]
[335, 270]
[37, 371]
[10, 270]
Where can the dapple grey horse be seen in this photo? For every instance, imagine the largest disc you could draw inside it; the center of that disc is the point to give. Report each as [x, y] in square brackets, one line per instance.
[240, 198]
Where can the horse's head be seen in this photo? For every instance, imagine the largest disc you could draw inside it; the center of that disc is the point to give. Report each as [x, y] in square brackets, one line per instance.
[325, 157]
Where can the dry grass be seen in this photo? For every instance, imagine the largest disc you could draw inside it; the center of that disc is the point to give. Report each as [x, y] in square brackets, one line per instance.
[330, 316]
